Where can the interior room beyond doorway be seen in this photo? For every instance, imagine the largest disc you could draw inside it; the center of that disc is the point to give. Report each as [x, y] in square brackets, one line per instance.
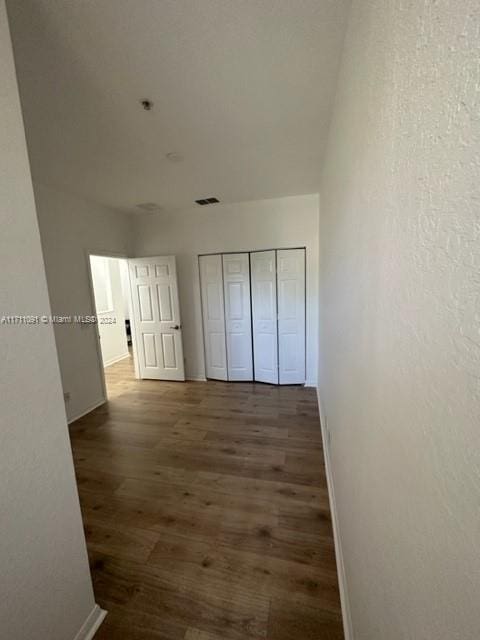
[109, 277]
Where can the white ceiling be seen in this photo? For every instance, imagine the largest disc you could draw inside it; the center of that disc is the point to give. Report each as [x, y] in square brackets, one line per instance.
[243, 89]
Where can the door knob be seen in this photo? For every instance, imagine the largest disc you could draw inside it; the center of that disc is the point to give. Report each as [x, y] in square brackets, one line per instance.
[177, 326]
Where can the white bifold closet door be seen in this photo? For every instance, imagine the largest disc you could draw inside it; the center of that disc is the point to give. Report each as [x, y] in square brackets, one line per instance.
[211, 278]
[238, 321]
[274, 351]
[291, 315]
[264, 315]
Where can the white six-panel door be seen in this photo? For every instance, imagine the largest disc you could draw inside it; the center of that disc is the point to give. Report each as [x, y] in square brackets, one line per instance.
[264, 316]
[291, 315]
[156, 318]
[211, 281]
[238, 323]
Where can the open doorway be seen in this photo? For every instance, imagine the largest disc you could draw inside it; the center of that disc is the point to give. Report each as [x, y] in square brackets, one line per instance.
[110, 286]
[139, 331]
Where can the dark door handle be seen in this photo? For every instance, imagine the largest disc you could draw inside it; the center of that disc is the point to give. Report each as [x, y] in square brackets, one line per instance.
[177, 327]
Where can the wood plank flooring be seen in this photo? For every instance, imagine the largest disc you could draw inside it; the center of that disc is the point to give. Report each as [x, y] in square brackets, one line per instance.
[206, 511]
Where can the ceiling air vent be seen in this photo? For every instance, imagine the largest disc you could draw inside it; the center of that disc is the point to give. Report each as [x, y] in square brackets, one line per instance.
[205, 201]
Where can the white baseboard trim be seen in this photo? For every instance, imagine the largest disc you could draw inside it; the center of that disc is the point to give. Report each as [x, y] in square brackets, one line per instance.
[311, 383]
[91, 624]
[116, 359]
[84, 413]
[196, 378]
[342, 580]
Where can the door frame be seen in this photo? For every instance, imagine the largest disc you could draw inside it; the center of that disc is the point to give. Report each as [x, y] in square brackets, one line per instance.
[104, 254]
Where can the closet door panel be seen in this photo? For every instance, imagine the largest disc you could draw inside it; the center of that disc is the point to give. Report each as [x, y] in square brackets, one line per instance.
[238, 322]
[291, 315]
[211, 284]
[264, 315]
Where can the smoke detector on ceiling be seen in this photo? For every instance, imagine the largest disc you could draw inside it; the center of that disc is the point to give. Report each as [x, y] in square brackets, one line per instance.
[146, 104]
[150, 207]
[204, 201]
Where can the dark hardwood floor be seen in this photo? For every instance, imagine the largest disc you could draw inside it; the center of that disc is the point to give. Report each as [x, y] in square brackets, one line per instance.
[206, 511]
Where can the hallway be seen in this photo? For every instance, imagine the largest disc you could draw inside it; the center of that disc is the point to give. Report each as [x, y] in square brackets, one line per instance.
[206, 511]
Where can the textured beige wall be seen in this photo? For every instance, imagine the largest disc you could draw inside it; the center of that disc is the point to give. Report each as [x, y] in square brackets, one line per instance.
[399, 317]
[45, 587]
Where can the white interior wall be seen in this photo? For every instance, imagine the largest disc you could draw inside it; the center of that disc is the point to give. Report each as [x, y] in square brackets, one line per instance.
[69, 228]
[45, 586]
[109, 303]
[263, 224]
[400, 343]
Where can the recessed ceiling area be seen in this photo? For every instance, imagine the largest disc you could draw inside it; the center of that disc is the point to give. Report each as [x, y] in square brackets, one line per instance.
[241, 96]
